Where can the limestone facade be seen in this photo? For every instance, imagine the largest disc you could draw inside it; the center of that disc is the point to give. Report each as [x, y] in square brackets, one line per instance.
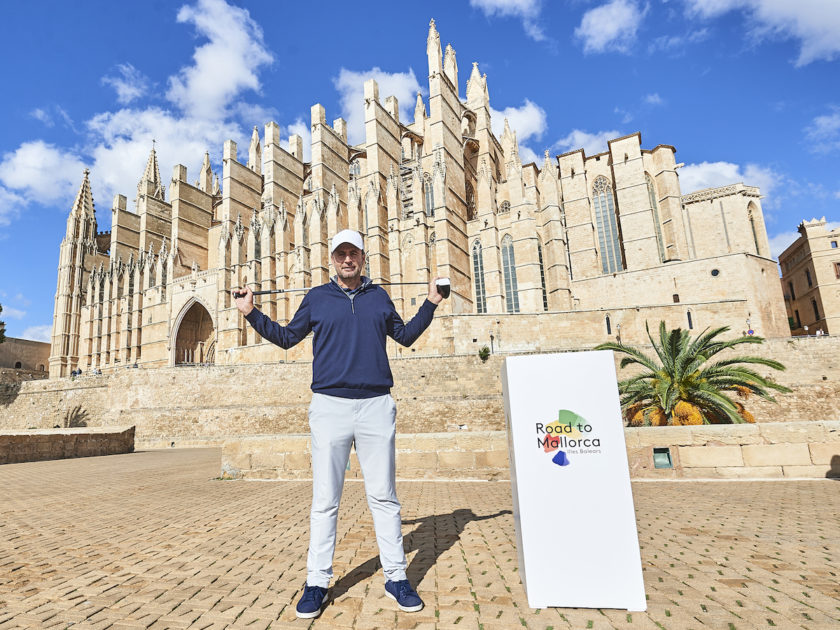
[577, 250]
[811, 279]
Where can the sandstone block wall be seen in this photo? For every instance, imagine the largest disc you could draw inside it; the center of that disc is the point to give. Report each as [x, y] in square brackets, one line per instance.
[41, 444]
[793, 450]
[796, 449]
[190, 406]
[462, 455]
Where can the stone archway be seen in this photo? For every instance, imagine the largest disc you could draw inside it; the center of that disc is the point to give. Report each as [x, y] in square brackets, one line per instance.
[194, 342]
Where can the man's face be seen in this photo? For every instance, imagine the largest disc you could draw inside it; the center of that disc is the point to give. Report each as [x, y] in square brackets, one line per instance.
[348, 261]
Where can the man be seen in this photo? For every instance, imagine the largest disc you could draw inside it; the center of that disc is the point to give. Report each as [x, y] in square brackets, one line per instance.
[351, 403]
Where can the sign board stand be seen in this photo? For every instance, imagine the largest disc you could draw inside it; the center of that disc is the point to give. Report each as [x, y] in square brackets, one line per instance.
[573, 504]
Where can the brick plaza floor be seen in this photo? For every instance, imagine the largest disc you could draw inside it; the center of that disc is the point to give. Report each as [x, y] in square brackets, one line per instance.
[152, 540]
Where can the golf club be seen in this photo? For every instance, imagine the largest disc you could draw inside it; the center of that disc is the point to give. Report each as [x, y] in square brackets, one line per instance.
[443, 288]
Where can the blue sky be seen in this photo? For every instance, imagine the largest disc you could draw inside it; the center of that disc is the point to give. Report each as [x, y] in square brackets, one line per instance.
[746, 90]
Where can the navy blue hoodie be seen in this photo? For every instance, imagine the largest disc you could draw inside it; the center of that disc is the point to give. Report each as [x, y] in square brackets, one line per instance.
[349, 357]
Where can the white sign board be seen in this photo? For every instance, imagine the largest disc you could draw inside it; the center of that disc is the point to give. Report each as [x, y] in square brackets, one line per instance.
[573, 504]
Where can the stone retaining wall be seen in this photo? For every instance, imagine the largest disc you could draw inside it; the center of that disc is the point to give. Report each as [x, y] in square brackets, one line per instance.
[434, 395]
[39, 444]
[791, 450]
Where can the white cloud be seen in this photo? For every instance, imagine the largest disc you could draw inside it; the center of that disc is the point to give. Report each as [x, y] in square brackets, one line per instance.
[130, 84]
[117, 143]
[653, 99]
[781, 241]
[591, 143]
[19, 297]
[675, 44]
[48, 115]
[529, 123]
[124, 140]
[527, 10]
[350, 85]
[13, 313]
[40, 172]
[824, 132]
[43, 116]
[223, 67]
[610, 27]
[527, 120]
[815, 23]
[10, 206]
[37, 333]
[713, 174]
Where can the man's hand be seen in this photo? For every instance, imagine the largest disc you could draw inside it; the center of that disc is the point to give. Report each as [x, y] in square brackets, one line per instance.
[245, 304]
[434, 297]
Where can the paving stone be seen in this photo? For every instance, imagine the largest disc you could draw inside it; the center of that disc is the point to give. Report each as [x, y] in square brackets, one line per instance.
[151, 540]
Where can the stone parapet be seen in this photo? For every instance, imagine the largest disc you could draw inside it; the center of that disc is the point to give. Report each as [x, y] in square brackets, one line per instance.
[706, 452]
[40, 444]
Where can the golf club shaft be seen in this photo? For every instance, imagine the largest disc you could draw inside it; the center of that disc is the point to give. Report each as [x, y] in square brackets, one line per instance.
[390, 284]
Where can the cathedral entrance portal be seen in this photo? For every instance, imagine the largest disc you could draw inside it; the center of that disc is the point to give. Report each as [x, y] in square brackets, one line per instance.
[194, 342]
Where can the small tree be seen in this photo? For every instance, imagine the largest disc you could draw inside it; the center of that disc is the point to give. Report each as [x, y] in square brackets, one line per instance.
[682, 387]
[2, 327]
[484, 353]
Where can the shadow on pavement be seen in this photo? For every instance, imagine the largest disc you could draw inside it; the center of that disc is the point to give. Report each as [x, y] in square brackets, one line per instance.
[433, 537]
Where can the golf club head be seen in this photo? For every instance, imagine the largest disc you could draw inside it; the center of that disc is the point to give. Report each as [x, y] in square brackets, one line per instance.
[443, 287]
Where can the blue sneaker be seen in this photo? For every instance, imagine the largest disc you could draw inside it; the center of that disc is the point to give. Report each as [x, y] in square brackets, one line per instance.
[311, 602]
[405, 596]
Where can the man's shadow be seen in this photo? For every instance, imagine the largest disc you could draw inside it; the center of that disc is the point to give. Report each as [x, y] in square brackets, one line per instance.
[434, 536]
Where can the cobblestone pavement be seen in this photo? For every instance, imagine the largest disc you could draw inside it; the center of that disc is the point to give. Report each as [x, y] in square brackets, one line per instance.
[152, 540]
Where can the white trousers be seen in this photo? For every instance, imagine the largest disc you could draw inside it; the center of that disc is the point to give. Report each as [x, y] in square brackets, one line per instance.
[335, 424]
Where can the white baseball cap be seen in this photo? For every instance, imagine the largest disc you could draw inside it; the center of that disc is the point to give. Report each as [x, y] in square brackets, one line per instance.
[347, 236]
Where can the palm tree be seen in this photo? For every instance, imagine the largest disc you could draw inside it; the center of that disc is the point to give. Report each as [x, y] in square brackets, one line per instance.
[683, 387]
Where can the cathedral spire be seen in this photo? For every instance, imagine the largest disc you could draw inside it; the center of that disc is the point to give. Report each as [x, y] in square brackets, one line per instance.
[450, 66]
[474, 85]
[433, 50]
[205, 179]
[151, 184]
[419, 110]
[255, 153]
[83, 206]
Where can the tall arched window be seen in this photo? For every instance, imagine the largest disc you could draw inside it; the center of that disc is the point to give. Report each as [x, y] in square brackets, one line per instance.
[429, 194]
[509, 271]
[609, 324]
[542, 277]
[816, 309]
[607, 225]
[431, 255]
[690, 321]
[470, 202]
[657, 224]
[257, 246]
[478, 274]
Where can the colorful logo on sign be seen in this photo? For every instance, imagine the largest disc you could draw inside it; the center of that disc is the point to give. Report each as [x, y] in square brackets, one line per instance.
[570, 434]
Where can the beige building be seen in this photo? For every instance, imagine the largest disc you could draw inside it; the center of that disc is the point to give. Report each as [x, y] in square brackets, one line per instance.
[570, 252]
[811, 279]
[24, 354]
